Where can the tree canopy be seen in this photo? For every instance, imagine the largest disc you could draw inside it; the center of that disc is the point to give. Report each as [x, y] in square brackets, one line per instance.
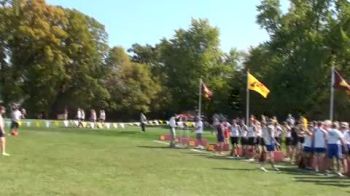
[53, 58]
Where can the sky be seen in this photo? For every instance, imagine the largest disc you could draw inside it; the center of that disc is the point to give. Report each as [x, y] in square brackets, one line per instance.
[148, 21]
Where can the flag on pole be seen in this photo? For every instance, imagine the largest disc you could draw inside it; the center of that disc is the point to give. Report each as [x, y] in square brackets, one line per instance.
[255, 85]
[207, 93]
[340, 82]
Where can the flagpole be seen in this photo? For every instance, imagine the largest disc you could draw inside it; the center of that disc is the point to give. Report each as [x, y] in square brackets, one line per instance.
[247, 101]
[331, 108]
[200, 98]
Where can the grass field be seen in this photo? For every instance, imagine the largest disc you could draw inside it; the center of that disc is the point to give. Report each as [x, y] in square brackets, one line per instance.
[127, 162]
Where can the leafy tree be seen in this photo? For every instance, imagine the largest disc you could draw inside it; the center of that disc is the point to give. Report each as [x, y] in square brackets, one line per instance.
[131, 84]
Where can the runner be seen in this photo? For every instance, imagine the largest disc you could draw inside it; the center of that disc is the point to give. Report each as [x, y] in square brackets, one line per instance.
[80, 118]
[244, 138]
[199, 133]
[270, 143]
[251, 133]
[235, 134]
[335, 139]
[220, 137]
[2, 132]
[172, 123]
[15, 118]
[320, 141]
[288, 141]
[307, 149]
[344, 127]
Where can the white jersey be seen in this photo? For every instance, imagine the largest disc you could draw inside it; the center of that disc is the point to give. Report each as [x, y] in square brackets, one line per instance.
[235, 131]
[93, 116]
[279, 131]
[289, 132]
[258, 131]
[2, 124]
[244, 131]
[268, 134]
[347, 137]
[319, 138]
[334, 136]
[199, 127]
[251, 132]
[16, 116]
[307, 141]
[79, 114]
[102, 115]
[172, 122]
[83, 114]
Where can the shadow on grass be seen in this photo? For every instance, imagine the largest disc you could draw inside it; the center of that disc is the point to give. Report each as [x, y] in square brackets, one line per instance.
[155, 147]
[299, 175]
[103, 132]
[235, 169]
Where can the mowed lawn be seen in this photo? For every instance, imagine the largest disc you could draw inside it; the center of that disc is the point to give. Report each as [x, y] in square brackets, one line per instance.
[127, 162]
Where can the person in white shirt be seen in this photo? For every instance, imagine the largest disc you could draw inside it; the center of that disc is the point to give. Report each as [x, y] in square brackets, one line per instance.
[307, 147]
[278, 136]
[172, 124]
[15, 118]
[102, 116]
[2, 132]
[244, 138]
[290, 120]
[320, 142]
[199, 133]
[251, 134]
[259, 140]
[344, 128]
[270, 144]
[335, 140]
[80, 118]
[235, 134]
[93, 118]
[288, 140]
[347, 142]
[143, 122]
[82, 115]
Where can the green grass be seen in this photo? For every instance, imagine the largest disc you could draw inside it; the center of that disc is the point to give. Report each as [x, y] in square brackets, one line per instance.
[127, 162]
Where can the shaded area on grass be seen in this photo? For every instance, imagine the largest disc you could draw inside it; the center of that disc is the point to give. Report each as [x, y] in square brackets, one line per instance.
[235, 169]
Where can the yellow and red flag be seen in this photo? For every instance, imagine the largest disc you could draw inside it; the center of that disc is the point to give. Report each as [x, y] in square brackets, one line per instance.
[207, 93]
[255, 85]
[340, 82]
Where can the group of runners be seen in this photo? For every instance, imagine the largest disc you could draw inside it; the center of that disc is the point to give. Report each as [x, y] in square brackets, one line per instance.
[93, 117]
[306, 144]
[312, 145]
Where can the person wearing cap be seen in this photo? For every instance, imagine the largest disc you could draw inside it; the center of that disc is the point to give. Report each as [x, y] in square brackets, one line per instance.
[270, 144]
[320, 143]
[335, 139]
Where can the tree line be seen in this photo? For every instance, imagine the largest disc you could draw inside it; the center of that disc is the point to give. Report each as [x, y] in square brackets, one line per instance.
[53, 58]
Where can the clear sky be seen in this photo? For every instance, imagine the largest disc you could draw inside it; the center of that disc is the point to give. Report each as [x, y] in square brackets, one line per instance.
[148, 21]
